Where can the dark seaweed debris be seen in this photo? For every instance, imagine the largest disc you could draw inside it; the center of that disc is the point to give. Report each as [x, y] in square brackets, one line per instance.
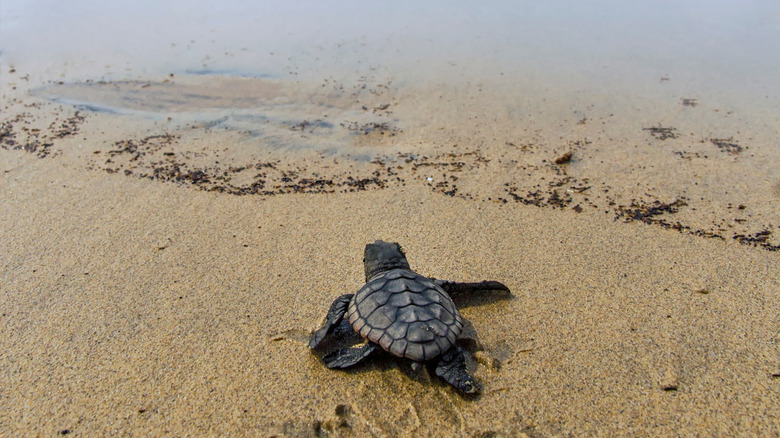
[661, 133]
[139, 157]
[310, 126]
[371, 128]
[544, 183]
[689, 155]
[7, 135]
[144, 146]
[653, 214]
[760, 239]
[727, 145]
[68, 127]
[552, 197]
[641, 211]
[20, 134]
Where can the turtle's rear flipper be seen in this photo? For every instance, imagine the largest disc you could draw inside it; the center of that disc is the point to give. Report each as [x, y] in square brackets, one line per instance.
[452, 368]
[335, 313]
[347, 357]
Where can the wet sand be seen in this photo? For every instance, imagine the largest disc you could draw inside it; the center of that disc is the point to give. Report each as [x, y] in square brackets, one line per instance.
[177, 214]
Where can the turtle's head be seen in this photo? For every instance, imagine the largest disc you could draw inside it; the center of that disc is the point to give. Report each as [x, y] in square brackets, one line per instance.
[382, 256]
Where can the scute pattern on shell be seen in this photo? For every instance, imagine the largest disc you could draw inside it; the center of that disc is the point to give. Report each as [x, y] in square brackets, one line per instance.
[407, 314]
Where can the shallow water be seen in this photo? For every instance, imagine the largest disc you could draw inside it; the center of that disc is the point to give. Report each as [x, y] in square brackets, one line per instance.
[599, 45]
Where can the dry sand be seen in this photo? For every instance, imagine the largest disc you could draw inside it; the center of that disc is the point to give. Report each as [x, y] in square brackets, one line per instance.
[145, 306]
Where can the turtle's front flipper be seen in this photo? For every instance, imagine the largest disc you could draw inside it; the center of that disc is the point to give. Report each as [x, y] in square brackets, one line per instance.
[452, 368]
[335, 313]
[452, 287]
[347, 357]
[467, 294]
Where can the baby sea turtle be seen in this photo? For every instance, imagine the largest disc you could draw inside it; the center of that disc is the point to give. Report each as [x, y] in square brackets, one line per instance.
[405, 314]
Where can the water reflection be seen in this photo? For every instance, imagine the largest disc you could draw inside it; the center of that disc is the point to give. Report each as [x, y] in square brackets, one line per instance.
[597, 44]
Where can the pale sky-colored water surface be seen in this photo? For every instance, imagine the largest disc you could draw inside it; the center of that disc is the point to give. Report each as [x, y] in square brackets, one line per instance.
[707, 44]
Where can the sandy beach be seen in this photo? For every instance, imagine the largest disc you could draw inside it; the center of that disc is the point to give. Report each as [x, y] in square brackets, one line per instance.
[168, 243]
[135, 306]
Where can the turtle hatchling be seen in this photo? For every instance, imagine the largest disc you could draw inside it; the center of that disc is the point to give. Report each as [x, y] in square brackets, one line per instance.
[405, 314]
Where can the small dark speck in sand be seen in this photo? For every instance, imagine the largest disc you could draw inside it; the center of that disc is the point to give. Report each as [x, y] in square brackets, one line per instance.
[343, 410]
[689, 102]
[486, 434]
[670, 388]
[565, 158]
[64, 431]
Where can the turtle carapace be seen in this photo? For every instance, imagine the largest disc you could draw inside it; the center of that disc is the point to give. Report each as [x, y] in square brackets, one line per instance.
[405, 314]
